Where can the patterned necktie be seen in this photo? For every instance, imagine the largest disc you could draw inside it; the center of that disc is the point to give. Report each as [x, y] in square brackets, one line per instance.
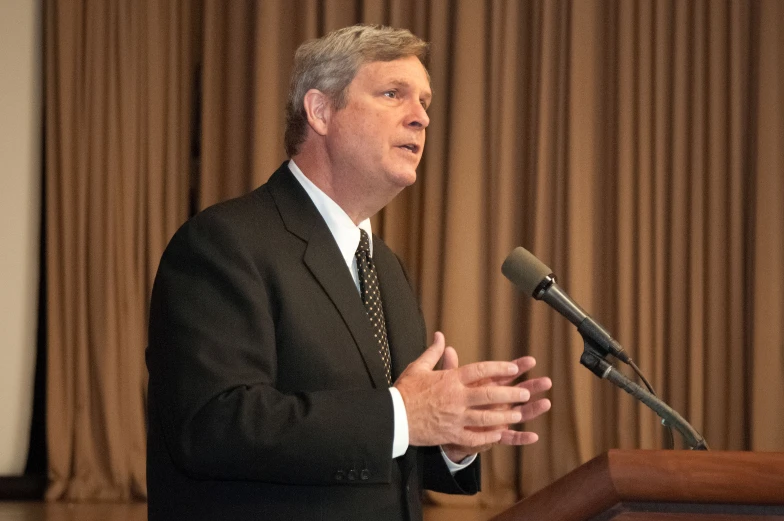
[371, 296]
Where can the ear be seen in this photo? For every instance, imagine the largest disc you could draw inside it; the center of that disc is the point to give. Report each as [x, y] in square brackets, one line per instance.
[318, 109]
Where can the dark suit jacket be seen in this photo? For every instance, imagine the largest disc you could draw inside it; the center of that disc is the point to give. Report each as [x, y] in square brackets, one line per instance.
[267, 396]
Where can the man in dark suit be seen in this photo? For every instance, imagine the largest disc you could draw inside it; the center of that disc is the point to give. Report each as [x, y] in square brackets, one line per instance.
[290, 377]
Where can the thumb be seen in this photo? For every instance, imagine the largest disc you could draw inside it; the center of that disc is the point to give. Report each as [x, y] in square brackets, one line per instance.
[432, 354]
[450, 359]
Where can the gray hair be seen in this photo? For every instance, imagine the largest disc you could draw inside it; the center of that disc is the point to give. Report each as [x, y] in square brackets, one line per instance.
[330, 64]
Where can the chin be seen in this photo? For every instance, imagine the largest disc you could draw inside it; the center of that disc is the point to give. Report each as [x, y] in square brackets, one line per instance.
[404, 177]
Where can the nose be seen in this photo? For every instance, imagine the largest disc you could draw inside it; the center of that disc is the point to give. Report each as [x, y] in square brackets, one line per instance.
[418, 118]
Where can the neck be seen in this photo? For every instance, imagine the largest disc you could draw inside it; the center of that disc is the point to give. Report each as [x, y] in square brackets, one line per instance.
[345, 190]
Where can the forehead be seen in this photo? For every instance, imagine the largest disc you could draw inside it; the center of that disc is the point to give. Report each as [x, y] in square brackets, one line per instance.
[408, 70]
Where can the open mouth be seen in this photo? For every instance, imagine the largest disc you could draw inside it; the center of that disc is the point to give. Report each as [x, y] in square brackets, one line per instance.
[411, 148]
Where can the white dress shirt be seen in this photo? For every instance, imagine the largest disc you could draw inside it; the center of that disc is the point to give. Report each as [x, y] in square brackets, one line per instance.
[346, 234]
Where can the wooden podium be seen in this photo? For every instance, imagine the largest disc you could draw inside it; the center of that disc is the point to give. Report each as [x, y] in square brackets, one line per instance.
[662, 485]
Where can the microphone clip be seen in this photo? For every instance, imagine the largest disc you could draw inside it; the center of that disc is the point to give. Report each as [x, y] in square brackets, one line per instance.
[593, 359]
[601, 341]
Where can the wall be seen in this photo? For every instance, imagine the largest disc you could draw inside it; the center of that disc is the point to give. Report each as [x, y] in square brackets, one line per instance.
[20, 208]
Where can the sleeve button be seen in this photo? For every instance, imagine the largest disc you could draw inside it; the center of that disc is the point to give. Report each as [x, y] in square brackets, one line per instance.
[339, 475]
[352, 475]
[364, 475]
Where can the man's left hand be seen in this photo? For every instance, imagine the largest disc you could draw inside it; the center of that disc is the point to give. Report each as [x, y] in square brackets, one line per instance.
[530, 410]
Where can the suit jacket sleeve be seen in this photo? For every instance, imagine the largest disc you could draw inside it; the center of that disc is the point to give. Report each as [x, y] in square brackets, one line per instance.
[437, 477]
[213, 365]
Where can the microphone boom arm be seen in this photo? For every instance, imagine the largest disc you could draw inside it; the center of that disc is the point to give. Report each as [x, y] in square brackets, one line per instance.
[594, 361]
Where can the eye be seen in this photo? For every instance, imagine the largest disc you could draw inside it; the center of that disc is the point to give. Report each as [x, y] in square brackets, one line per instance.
[391, 94]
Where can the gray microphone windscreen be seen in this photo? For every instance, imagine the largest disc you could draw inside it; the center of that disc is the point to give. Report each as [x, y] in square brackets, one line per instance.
[525, 270]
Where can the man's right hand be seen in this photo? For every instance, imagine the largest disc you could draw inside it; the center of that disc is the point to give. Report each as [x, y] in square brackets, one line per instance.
[447, 407]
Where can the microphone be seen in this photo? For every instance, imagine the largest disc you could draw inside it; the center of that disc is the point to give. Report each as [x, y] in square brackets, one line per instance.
[533, 277]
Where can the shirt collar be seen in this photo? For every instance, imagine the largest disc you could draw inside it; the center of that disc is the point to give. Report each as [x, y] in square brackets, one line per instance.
[343, 229]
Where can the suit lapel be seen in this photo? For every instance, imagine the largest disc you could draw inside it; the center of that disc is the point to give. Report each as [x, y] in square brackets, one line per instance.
[336, 280]
[322, 257]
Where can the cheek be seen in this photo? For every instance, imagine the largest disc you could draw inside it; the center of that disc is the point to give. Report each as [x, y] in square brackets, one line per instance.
[373, 126]
[366, 135]
[372, 136]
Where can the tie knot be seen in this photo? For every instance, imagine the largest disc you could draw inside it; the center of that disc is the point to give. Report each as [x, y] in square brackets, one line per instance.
[364, 244]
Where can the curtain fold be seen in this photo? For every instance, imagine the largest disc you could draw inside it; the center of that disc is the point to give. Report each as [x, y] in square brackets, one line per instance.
[765, 333]
[636, 147]
[118, 109]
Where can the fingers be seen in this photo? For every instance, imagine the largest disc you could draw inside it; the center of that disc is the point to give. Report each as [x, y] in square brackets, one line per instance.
[476, 441]
[537, 385]
[494, 395]
[509, 437]
[491, 418]
[487, 418]
[473, 373]
[524, 364]
[495, 417]
[432, 354]
[469, 406]
[535, 409]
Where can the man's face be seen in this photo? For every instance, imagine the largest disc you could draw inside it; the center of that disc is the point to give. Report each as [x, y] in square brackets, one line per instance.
[377, 138]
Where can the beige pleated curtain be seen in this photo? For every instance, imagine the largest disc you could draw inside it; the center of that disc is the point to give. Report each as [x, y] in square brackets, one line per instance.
[635, 146]
[118, 83]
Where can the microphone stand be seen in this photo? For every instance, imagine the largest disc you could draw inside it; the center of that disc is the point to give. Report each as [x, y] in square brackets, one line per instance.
[593, 359]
